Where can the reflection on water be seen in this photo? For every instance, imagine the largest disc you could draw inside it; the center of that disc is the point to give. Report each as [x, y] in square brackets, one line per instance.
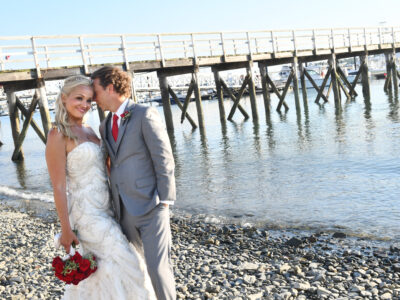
[21, 173]
[321, 167]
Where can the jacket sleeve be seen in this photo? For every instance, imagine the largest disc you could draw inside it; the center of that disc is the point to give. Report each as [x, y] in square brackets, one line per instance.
[158, 144]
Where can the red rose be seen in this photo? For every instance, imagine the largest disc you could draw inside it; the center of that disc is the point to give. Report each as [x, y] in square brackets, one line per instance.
[84, 265]
[80, 276]
[77, 257]
[72, 273]
[56, 261]
[68, 278]
[58, 264]
[60, 276]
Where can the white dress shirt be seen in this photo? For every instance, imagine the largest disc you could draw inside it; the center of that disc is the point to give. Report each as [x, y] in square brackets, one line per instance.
[119, 112]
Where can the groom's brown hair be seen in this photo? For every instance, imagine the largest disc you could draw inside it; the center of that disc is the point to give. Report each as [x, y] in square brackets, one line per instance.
[118, 78]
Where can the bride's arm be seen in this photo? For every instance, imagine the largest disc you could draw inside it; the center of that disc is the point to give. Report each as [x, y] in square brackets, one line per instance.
[56, 159]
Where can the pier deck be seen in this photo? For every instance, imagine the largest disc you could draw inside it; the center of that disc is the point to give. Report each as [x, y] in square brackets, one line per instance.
[26, 62]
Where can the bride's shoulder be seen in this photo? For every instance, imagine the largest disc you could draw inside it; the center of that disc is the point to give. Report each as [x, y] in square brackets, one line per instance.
[55, 136]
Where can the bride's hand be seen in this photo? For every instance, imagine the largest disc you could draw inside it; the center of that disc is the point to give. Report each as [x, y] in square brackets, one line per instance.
[67, 238]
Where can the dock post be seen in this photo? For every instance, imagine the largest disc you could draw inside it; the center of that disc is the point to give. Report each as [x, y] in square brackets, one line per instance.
[133, 89]
[163, 82]
[44, 106]
[303, 84]
[252, 90]
[334, 80]
[14, 120]
[394, 73]
[197, 95]
[388, 81]
[365, 77]
[265, 87]
[296, 83]
[220, 95]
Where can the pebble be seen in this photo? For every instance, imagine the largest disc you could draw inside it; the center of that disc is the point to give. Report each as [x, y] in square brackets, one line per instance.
[214, 261]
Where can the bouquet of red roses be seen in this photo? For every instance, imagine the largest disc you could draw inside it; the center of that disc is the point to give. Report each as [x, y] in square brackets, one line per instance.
[73, 268]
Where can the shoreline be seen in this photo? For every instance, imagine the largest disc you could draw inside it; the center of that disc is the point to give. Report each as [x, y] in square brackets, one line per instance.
[218, 261]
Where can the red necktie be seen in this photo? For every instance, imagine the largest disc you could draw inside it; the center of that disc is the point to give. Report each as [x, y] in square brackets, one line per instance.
[115, 127]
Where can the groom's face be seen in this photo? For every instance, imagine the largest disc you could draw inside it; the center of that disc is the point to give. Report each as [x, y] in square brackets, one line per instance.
[100, 95]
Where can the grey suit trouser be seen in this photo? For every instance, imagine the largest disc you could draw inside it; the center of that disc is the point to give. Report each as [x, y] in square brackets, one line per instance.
[151, 236]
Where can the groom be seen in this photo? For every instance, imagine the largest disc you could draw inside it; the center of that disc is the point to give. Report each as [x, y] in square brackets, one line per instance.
[141, 175]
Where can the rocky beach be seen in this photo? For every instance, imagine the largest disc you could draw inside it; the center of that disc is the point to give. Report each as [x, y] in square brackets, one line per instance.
[218, 261]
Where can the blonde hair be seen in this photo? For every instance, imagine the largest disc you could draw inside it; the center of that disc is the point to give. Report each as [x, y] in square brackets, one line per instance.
[62, 122]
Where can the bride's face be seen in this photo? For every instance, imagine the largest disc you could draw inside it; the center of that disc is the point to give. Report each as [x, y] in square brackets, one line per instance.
[78, 101]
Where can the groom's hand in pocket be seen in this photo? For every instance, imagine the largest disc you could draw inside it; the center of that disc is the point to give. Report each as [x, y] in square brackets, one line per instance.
[67, 238]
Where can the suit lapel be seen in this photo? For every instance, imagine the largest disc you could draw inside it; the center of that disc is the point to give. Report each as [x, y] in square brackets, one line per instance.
[122, 127]
[104, 133]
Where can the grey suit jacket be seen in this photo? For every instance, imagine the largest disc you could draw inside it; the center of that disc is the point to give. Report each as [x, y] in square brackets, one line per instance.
[142, 164]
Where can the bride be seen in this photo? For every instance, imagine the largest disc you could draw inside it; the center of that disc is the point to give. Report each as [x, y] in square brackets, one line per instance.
[77, 172]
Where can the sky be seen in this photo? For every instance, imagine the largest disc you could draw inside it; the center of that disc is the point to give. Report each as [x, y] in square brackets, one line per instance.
[44, 17]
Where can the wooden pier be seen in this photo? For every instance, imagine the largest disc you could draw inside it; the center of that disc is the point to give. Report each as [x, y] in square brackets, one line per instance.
[27, 62]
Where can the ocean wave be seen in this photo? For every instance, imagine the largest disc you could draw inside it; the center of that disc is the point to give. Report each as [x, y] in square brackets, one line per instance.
[27, 195]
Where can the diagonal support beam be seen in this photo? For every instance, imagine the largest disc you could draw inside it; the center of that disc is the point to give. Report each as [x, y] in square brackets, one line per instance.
[346, 82]
[34, 125]
[288, 82]
[322, 87]
[315, 86]
[238, 97]
[28, 119]
[341, 85]
[178, 102]
[187, 100]
[227, 89]
[354, 83]
[275, 90]
[329, 90]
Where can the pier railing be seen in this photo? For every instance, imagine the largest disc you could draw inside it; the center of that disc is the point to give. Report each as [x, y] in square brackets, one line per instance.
[43, 52]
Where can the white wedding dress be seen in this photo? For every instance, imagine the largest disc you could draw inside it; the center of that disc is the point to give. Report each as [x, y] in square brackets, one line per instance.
[121, 272]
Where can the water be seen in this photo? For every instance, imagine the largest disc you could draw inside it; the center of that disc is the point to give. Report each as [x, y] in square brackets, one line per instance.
[317, 170]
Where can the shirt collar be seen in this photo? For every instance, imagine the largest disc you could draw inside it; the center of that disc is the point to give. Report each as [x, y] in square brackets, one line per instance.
[121, 108]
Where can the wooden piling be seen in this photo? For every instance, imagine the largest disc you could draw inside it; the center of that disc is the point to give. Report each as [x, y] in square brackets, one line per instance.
[296, 83]
[365, 77]
[394, 73]
[220, 96]
[388, 81]
[14, 121]
[163, 82]
[303, 84]
[265, 88]
[44, 107]
[252, 90]
[335, 85]
[199, 105]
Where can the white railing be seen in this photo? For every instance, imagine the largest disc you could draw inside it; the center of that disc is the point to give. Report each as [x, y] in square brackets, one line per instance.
[42, 52]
